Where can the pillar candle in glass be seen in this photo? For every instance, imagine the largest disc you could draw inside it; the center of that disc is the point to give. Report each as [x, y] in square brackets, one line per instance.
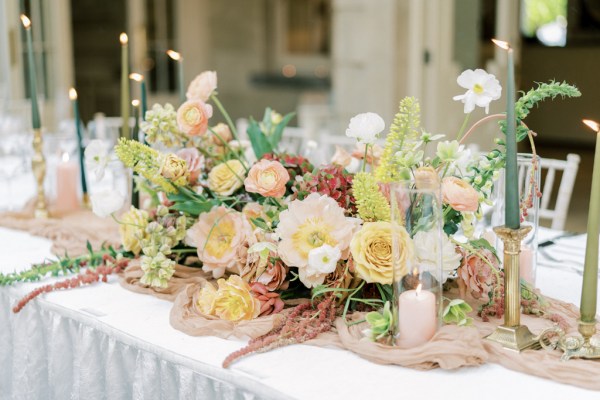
[589, 291]
[67, 174]
[80, 147]
[417, 317]
[125, 94]
[35, 112]
[175, 56]
[143, 95]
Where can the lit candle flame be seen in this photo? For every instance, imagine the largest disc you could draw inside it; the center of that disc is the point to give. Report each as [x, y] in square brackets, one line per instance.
[65, 157]
[419, 287]
[174, 55]
[26, 21]
[415, 271]
[592, 124]
[123, 38]
[72, 94]
[135, 103]
[502, 44]
[136, 77]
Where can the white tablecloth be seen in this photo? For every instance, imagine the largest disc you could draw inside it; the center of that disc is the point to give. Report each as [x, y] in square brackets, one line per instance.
[104, 342]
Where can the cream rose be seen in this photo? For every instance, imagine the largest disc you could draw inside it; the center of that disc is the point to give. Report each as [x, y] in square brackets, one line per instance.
[202, 86]
[174, 169]
[371, 250]
[459, 195]
[192, 117]
[426, 178]
[226, 178]
[267, 178]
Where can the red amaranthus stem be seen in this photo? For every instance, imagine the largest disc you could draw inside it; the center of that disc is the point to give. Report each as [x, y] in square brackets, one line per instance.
[110, 265]
[303, 323]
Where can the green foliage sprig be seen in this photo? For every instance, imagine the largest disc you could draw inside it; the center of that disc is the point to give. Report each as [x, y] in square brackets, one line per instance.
[533, 97]
[265, 136]
[63, 266]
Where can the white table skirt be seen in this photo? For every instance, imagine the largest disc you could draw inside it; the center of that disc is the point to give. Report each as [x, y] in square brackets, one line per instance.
[104, 342]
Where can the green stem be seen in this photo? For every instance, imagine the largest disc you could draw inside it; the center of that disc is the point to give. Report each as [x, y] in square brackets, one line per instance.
[225, 115]
[463, 127]
[235, 154]
[364, 166]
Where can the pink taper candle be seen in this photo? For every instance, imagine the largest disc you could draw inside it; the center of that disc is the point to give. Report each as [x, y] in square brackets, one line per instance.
[416, 317]
[67, 178]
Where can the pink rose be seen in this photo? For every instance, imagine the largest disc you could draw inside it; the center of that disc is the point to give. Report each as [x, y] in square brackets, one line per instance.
[194, 161]
[192, 117]
[477, 274]
[267, 178]
[459, 194]
[202, 86]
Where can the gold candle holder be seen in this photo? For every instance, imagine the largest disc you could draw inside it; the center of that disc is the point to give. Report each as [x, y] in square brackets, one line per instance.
[512, 335]
[38, 166]
[585, 346]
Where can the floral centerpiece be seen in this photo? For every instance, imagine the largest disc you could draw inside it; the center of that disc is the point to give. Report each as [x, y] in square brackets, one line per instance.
[270, 226]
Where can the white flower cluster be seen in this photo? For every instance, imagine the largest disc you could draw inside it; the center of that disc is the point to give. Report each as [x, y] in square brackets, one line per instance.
[160, 126]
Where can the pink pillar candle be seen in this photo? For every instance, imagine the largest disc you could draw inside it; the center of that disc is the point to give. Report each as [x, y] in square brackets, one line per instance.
[67, 177]
[526, 264]
[417, 318]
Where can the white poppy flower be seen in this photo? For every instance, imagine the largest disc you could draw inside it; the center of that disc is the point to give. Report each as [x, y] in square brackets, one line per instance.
[106, 202]
[321, 262]
[96, 158]
[365, 127]
[427, 247]
[481, 87]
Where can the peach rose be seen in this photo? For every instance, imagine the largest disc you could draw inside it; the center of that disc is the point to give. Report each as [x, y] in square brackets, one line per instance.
[459, 195]
[202, 86]
[194, 160]
[223, 132]
[267, 178]
[192, 117]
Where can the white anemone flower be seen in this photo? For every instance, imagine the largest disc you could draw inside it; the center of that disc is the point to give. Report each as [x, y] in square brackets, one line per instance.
[482, 89]
[365, 127]
[96, 158]
[321, 262]
[106, 202]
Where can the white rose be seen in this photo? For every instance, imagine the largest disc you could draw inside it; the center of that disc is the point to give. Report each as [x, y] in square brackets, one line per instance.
[427, 247]
[365, 127]
[106, 202]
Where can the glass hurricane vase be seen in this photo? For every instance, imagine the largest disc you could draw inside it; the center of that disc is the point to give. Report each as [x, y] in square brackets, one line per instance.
[417, 260]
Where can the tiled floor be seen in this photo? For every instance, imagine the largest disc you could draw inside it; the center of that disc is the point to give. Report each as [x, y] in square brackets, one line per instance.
[578, 209]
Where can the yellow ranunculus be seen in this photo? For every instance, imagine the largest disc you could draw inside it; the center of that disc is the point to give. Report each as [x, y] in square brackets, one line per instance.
[226, 178]
[174, 169]
[234, 300]
[133, 229]
[371, 249]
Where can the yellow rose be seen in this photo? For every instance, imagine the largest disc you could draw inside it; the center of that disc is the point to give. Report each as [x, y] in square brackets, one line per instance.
[174, 169]
[371, 249]
[133, 229]
[206, 299]
[234, 300]
[226, 178]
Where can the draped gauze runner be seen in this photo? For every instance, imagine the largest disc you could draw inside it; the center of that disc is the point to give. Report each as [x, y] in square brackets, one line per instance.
[452, 347]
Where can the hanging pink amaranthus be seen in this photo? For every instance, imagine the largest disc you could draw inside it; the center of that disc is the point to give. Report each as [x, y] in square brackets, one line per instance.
[303, 323]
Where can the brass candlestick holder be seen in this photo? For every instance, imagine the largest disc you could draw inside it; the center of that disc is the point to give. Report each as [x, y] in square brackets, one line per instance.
[585, 346]
[512, 335]
[38, 166]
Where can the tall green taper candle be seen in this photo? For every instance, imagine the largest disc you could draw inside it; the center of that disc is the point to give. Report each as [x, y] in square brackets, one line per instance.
[35, 112]
[589, 291]
[135, 194]
[73, 97]
[180, 78]
[143, 95]
[125, 96]
[512, 217]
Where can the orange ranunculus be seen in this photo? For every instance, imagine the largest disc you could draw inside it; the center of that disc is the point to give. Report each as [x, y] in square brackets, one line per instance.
[192, 117]
[267, 178]
[459, 195]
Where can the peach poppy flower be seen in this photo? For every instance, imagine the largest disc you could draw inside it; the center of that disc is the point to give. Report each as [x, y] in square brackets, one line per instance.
[192, 117]
[267, 178]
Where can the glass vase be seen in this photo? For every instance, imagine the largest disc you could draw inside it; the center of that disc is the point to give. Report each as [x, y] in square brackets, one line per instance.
[529, 186]
[417, 261]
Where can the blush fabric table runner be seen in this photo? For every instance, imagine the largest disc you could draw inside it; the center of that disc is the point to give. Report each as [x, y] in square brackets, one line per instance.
[104, 342]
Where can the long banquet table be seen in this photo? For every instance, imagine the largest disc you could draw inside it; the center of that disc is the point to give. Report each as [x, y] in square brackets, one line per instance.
[104, 342]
